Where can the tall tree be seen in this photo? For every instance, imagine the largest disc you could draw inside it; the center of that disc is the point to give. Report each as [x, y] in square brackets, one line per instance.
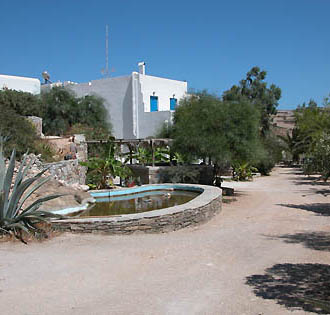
[254, 89]
[17, 130]
[313, 130]
[63, 110]
[311, 122]
[205, 126]
[23, 103]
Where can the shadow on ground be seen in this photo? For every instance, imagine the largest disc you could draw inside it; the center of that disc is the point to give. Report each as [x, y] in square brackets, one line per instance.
[312, 180]
[295, 286]
[312, 240]
[318, 208]
[302, 181]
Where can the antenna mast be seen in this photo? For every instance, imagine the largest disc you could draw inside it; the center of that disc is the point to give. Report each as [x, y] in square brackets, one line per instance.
[106, 72]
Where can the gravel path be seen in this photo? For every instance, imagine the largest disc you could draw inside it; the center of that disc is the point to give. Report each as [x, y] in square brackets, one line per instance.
[266, 253]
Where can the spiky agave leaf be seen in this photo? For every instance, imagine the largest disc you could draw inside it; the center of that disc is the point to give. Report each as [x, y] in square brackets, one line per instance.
[22, 173]
[35, 205]
[2, 165]
[7, 182]
[17, 200]
[2, 180]
[19, 178]
[13, 218]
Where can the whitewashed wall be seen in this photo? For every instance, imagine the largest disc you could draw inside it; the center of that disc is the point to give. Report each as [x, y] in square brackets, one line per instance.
[23, 84]
[163, 88]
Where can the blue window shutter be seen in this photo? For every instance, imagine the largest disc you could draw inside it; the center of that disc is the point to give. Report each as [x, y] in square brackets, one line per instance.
[173, 103]
[153, 103]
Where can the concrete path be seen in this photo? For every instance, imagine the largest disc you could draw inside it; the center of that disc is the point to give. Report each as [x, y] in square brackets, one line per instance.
[266, 253]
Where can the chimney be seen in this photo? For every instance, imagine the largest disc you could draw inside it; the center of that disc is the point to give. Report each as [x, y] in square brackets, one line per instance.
[142, 67]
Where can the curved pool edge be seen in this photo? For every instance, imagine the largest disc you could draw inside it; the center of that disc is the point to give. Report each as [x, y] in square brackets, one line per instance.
[198, 210]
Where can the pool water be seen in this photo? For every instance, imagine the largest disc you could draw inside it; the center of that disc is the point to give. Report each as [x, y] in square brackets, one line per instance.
[138, 202]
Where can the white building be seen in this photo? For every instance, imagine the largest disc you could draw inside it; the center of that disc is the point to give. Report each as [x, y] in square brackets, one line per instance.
[23, 84]
[138, 104]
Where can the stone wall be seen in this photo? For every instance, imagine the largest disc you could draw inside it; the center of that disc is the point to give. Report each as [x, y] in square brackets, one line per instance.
[197, 211]
[68, 171]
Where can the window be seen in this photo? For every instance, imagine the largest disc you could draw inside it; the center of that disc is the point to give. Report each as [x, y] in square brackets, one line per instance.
[153, 103]
[173, 102]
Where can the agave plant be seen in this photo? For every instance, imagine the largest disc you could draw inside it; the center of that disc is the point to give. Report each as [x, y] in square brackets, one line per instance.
[14, 217]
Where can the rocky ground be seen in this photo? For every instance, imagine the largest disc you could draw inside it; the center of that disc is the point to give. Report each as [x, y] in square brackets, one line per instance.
[266, 253]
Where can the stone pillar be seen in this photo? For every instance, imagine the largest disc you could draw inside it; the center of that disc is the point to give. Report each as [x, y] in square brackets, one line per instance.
[37, 123]
[80, 141]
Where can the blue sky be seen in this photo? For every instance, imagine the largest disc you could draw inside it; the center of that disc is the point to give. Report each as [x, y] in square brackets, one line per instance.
[211, 44]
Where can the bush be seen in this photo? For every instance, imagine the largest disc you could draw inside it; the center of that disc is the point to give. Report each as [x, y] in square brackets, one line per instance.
[243, 172]
[91, 133]
[265, 166]
[46, 150]
[269, 153]
[181, 174]
[102, 171]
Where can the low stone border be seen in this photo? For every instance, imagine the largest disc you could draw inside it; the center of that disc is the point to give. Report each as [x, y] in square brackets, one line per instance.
[199, 210]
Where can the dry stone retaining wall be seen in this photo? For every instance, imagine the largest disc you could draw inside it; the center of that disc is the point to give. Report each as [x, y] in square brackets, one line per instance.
[68, 171]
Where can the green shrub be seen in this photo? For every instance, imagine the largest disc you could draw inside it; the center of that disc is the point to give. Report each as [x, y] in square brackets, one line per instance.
[242, 172]
[181, 174]
[268, 154]
[46, 150]
[90, 132]
[102, 171]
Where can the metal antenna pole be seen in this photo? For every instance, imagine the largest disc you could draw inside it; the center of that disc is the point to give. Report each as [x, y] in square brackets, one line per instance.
[106, 51]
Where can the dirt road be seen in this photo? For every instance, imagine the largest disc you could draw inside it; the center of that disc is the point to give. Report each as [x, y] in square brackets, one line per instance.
[266, 253]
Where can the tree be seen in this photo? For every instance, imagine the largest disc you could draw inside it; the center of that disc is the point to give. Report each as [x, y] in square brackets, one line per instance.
[294, 145]
[63, 110]
[270, 154]
[204, 126]
[318, 160]
[165, 130]
[254, 89]
[23, 103]
[311, 122]
[17, 130]
[313, 130]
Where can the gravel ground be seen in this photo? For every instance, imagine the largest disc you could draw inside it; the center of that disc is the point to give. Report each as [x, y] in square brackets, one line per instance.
[266, 253]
